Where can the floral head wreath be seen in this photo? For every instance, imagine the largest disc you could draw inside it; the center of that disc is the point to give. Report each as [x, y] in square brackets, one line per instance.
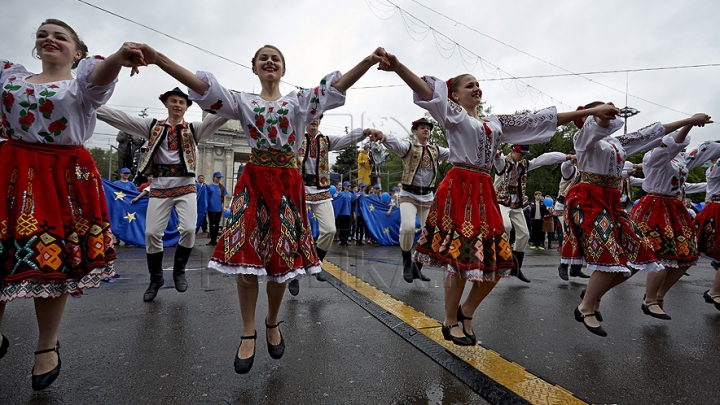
[579, 122]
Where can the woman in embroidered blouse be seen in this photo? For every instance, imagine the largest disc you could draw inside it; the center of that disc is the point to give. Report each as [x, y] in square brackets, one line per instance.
[663, 218]
[267, 237]
[706, 227]
[598, 230]
[55, 239]
[464, 230]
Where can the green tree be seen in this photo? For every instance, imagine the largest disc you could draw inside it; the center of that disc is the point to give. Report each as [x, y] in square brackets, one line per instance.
[102, 161]
[346, 163]
[547, 178]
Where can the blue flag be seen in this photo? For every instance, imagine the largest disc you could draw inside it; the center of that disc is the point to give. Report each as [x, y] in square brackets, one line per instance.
[384, 228]
[127, 221]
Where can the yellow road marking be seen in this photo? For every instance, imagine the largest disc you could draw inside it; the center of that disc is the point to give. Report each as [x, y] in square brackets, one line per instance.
[511, 375]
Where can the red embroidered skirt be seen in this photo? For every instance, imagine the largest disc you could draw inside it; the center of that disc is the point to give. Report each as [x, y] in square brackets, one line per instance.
[708, 238]
[668, 227]
[600, 233]
[55, 233]
[464, 229]
[268, 233]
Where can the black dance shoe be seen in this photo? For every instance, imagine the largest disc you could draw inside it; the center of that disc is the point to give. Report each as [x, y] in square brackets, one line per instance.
[294, 287]
[710, 299]
[646, 311]
[42, 381]
[461, 318]
[320, 276]
[243, 366]
[580, 317]
[577, 272]
[563, 272]
[4, 346]
[460, 341]
[275, 351]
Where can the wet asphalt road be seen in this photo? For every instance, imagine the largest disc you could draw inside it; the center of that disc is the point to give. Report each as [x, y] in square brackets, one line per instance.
[179, 349]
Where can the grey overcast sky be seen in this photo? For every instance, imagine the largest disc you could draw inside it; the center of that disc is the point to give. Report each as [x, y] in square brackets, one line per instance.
[439, 38]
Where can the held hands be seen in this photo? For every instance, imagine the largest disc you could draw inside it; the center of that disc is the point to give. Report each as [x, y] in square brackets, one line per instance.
[700, 119]
[129, 55]
[375, 135]
[606, 111]
[389, 61]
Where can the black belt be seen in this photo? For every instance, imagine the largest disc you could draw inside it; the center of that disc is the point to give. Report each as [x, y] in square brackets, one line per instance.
[418, 190]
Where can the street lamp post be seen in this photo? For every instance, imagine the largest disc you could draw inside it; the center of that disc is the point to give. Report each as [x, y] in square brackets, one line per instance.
[627, 112]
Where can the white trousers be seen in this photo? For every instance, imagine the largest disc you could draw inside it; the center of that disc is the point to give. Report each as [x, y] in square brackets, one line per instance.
[515, 217]
[408, 212]
[158, 214]
[325, 215]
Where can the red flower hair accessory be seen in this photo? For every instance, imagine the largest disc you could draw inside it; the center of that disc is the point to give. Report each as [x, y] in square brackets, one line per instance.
[449, 85]
[579, 122]
[517, 148]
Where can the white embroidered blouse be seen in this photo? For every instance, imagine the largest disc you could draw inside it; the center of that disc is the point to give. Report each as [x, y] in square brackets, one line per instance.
[474, 142]
[57, 113]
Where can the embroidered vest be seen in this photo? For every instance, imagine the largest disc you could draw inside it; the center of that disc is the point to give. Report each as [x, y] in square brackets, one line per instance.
[566, 184]
[188, 149]
[412, 161]
[321, 178]
[505, 190]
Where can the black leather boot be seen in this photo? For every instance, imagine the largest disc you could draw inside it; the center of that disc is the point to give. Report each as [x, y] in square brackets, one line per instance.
[517, 271]
[182, 255]
[321, 255]
[576, 271]
[155, 269]
[417, 271]
[563, 271]
[407, 266]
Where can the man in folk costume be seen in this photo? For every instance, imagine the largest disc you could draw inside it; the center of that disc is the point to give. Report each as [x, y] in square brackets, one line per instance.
[171, 157]
[314, 164]
[420, 168]
[510, 182]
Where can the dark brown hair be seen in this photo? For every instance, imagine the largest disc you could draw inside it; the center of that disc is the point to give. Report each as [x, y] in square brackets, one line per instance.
[79, 44]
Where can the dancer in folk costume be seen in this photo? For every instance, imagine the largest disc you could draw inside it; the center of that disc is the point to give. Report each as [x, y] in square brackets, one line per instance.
[662, 216]
[55, 237]
[598, 230]
[510, 182]
[420, 168]
[464, 230]
[313, 159]
[707, 229]
[267, 237]
[171, 157]
[570, 175]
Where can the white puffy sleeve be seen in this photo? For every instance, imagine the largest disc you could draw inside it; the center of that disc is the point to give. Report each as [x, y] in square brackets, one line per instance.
[92, 95]
[662, 154]
[445, 111]
[591, 133]
[530, 128]
[315, 101]
[547, 159]
[705, 151]
[567, 168]
[8, 69]
[217, 99]
[643, 138]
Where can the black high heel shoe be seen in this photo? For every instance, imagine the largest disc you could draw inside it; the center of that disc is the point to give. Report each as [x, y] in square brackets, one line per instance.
[710, 299]
[460, 341]
[243, 366]
[275, 351]
[598, 315]
[461, 318]
[42, 381]
[4, 346]
[580, 317]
